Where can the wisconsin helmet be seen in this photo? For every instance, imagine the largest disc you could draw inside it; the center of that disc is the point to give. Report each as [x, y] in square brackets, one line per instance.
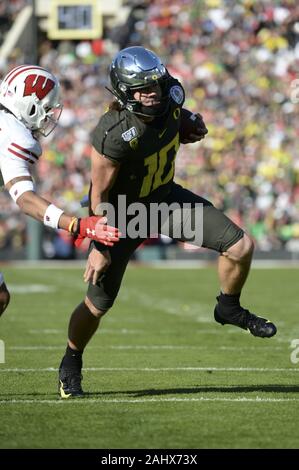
[135, 68]
[31, 93]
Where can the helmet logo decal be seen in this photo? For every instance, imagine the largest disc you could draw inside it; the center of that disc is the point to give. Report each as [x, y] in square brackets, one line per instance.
[39, 85]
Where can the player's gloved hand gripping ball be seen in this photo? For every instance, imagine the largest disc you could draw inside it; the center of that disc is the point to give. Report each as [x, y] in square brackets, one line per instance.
[192, 128]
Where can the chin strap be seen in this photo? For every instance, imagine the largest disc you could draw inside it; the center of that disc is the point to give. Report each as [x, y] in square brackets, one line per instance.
[115, 96]
[111, 91]
[153, 112]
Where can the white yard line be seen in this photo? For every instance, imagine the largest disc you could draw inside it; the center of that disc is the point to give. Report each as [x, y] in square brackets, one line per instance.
[29, 289]
[87, 401]
[156, 264]
[122, 331]
[160, 369]
[157, 347]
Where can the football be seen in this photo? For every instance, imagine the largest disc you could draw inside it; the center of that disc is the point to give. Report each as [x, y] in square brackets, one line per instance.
[192, 127]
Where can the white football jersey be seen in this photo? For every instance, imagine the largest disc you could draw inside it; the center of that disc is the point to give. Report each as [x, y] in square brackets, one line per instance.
[19, 150]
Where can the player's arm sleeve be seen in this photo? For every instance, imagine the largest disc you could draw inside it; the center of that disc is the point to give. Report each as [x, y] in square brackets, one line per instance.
[17, 159]
[12, 168]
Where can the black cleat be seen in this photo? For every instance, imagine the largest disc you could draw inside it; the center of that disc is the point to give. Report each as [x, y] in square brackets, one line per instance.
[257, 326]
[69, 384]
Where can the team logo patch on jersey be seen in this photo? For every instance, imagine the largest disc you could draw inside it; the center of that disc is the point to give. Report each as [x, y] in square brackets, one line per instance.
[130, 134]
[134, 143]
[177, 94]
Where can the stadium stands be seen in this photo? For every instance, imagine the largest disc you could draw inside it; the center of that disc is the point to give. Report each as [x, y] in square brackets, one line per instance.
[238, 62]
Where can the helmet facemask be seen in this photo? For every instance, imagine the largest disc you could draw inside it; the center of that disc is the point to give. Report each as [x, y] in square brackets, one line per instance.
[137, 107]
[49, 119]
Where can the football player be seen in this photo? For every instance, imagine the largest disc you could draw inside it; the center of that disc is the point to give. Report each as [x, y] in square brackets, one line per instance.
[30, 107]
[134, 148]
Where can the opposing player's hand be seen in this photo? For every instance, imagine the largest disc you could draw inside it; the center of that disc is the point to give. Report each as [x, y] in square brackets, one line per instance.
[97, 263]
[95, 227]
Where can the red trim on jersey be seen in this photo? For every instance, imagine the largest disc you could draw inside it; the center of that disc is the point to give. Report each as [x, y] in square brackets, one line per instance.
[20, 156]
[23, 70]
[25, 150]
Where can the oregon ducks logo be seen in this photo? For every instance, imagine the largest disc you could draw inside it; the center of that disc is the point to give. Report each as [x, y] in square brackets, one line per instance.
[177, 113]
[134, 143]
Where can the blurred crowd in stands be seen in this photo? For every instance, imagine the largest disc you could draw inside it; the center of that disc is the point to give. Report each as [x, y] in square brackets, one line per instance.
[238, 62]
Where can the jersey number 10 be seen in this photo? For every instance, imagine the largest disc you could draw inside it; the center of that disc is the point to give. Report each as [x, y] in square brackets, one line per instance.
[156, 165]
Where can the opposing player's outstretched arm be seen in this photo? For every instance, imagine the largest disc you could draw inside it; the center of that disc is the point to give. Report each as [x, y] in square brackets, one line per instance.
[22, 191]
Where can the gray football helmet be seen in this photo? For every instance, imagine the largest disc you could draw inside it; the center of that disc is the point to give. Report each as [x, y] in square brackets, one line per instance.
[134, 68]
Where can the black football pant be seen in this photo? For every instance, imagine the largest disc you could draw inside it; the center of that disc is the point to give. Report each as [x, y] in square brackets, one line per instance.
[212, 229]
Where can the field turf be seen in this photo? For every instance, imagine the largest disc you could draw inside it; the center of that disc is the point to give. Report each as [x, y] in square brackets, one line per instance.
[160, 373]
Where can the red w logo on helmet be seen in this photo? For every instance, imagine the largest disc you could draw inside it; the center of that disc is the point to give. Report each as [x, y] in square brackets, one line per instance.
[39, 85]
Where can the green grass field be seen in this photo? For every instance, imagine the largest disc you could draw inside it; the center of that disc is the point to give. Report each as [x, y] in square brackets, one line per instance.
[160, 373]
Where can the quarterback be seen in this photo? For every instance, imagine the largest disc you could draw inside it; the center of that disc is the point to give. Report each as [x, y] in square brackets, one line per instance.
[134, 149]
[29, 107]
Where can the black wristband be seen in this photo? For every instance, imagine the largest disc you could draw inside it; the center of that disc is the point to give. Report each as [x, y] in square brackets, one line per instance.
[97, 246]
